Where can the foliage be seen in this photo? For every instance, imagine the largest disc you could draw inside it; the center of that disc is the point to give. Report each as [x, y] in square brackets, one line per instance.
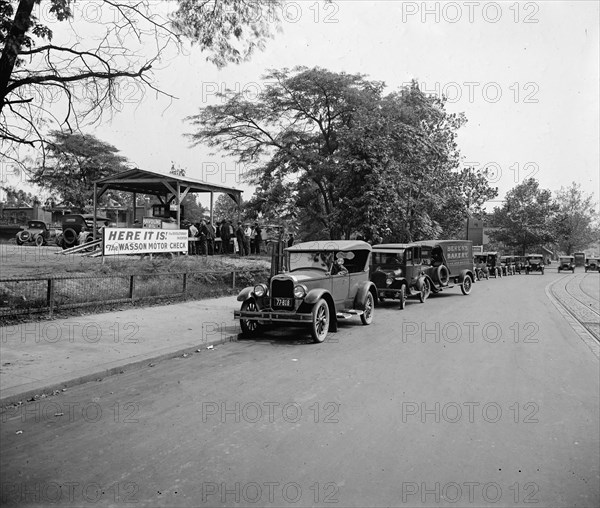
[90, 65]
[226, 208]
[524, 221]
[352, 159]
[575, 225]
[74, 162]
[18, 197]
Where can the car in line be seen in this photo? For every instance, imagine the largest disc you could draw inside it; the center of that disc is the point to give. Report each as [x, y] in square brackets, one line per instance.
[324, 283]
[534, 263]
[566, 263]
[592, 264]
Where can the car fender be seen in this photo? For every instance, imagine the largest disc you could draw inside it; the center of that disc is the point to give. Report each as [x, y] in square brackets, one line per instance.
[314, 295]
[245, 293]
[361, 295]
[461, 276]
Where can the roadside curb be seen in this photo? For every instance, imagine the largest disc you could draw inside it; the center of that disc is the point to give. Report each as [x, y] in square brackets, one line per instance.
[23, 393]
[579, 329]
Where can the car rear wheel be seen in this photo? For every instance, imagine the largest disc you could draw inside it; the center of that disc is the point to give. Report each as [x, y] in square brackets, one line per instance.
[367, 316]
[248, 326]
[402, 297]
[424, 292]
[466, 285]
[320, 321]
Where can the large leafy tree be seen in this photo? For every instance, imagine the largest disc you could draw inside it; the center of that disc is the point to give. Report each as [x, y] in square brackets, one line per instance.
[105, 51]
[74, 162]
[525, 219]
[352, 159]
[575, 224]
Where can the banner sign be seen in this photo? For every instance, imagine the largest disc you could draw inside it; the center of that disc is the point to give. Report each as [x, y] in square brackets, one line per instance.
[143, 241]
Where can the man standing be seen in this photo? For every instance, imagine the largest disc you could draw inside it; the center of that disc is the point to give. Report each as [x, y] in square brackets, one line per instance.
[210, 239]
[247, 235]
[225, 237]
[258, 239]
[193, 238]
[203, 238]
[239, 235]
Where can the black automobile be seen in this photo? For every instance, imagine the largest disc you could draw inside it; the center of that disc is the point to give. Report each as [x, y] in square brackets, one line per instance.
[566, 263]
[73, 225]
[592, 264]
[534, 263]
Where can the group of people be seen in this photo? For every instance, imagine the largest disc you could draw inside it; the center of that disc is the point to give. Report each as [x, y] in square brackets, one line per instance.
[224, 238]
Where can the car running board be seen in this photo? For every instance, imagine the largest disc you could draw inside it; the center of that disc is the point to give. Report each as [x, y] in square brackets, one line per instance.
[347, 314]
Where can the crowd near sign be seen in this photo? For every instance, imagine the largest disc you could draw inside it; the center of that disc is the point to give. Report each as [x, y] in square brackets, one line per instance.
[143, 241]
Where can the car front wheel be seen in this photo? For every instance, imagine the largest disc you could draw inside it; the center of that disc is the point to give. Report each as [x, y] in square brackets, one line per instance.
[402, 297]
[424, 293]
[320, 321]
[367, 316]
[248, 326]
[466, 285]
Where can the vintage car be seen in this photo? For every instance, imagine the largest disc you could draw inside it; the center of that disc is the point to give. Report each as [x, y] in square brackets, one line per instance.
[325, 282]
[36, 232]
[73, 224]
[480, 266]
[388, 271]
[493, 264]
[534, 263]
[566, 263]
[508, 265]
[520, 263]
[592, 264]
[424, 268]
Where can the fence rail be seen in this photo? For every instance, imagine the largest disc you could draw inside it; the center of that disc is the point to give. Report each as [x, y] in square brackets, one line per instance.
[29, 295]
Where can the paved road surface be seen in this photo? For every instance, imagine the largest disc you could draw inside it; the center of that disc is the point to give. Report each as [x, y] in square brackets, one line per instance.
[485, 400]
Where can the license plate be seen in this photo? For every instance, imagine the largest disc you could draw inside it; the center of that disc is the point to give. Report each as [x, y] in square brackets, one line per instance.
[283, 302]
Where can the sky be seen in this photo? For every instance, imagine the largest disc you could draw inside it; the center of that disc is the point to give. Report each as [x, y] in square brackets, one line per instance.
[525, 74]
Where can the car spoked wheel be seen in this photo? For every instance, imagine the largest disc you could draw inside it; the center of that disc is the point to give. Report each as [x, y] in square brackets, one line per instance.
[424, 293]
[367, 316]
[402, 297]
[466, 285]
[39, 240]
[249, 327]
[320, 321]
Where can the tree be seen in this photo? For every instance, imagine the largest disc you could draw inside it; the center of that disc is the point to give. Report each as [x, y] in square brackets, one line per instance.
[74, 162]
[19, 197]
[44, 81]
[225, 208]
[524, 221]
[351, 158]
[575, 224]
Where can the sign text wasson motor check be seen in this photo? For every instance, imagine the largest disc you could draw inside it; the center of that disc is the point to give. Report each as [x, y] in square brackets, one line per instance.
[143, 241]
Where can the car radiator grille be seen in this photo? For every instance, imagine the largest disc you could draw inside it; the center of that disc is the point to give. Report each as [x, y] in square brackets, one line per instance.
[282, 289]
[379, 279]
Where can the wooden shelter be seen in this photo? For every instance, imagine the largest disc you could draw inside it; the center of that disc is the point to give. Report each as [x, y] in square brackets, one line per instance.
[168, 188]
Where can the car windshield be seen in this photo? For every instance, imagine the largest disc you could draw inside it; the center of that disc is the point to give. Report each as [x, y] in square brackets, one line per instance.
[319, 260]
[388, 258]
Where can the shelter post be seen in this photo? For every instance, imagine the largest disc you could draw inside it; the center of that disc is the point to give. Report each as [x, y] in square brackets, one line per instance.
[95, 212]
[134, 203]
[178, 206]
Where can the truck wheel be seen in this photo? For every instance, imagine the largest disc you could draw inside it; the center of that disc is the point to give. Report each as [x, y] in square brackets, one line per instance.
[320, 321]
[466, 285]
[367, 316]
[402, 297]
[424, 293]
[248, 326]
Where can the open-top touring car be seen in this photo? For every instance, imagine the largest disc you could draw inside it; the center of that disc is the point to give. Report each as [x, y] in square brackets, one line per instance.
[324, 282]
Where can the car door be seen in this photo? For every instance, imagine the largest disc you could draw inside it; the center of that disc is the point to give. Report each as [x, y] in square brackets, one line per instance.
[340, 286]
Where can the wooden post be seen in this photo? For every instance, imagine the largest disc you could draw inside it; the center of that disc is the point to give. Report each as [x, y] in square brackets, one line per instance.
[233, 279]
[178, 205]
[212, 195]
[95, 213]
[184, 283]
[50, 296]
[134, 202]
[131, 287]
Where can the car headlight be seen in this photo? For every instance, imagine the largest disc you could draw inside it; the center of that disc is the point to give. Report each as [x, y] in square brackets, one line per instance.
[300, 291]
[260, 290]
[389, 281]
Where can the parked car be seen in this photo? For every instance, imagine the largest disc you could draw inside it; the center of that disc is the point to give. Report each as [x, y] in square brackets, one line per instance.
[566, 263]
[73, 224]
[480, 266]
[508, 265]
[592, 264]
[520, 264]
[448, 263]
[493, 264]
[36, 232]
[535, 263]
[325, 282]
[389, 271]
